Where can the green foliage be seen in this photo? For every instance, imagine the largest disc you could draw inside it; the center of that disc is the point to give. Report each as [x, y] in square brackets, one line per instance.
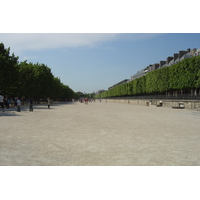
[35, 80]
[184, 75]
[30, 80]
[181, 76]
[196, 64]
[8, 70]
[157, 81]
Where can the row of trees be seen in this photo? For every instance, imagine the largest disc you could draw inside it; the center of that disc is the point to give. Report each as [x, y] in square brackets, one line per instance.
[181, 77]
[29, 79]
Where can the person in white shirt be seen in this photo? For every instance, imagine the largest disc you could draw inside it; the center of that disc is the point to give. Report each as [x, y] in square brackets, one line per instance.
[18, 105]
[1, 101]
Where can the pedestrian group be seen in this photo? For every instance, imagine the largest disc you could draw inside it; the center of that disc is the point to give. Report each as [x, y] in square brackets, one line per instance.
[6, 102]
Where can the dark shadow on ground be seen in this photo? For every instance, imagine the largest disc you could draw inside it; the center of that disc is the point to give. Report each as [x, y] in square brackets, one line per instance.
[36, 108]
[8, 114]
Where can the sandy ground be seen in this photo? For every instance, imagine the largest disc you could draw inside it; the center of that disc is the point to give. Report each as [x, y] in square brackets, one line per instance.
[100, 134]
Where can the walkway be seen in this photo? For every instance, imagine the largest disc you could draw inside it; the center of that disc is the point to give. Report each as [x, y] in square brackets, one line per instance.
[99, 134]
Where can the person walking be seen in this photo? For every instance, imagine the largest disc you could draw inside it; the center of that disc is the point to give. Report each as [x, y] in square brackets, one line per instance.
[30, 104]
[48, 102]
[1, 102]
[18, 105]
[6, 101]
[86, 101]
[11, 103]
[15, 101]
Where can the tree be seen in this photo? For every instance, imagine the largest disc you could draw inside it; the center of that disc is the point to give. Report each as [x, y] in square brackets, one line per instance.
[35, 80]
[8, 71]
[182, 77]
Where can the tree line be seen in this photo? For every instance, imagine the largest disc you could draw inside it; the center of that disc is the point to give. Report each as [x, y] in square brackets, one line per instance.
[180, 78]
[35, 80]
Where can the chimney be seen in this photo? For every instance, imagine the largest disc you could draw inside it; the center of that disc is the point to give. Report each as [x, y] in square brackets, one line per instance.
[181, 53]
[175, 56]
[155, 66]
[169, 59]
[161, 63]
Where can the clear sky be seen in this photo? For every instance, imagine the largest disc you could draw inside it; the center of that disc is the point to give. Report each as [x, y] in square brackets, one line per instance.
[90, 62]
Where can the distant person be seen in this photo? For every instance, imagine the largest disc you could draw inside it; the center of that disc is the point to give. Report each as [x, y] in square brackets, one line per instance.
[1, 102]
[30, 104]
[15, 101]
[86, 100]
[48, 102]
[18, 105]
[6, 102]
[11, 103]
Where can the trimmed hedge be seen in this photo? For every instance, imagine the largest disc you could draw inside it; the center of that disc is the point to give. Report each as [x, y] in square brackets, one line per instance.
[184, 75]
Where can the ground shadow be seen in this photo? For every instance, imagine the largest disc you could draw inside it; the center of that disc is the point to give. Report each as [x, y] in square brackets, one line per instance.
[36, 108]
[8, 114]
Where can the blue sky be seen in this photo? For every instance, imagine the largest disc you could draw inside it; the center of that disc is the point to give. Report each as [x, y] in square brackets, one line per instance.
[90, 62]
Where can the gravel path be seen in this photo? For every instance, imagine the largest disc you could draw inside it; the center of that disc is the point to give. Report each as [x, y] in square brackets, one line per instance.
[100, 134]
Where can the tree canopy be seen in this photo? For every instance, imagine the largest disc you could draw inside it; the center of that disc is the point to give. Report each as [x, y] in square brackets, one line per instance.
[29, 79]
[9, 70]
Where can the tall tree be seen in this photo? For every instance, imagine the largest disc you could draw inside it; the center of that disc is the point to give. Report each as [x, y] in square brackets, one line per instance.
[8, 71]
